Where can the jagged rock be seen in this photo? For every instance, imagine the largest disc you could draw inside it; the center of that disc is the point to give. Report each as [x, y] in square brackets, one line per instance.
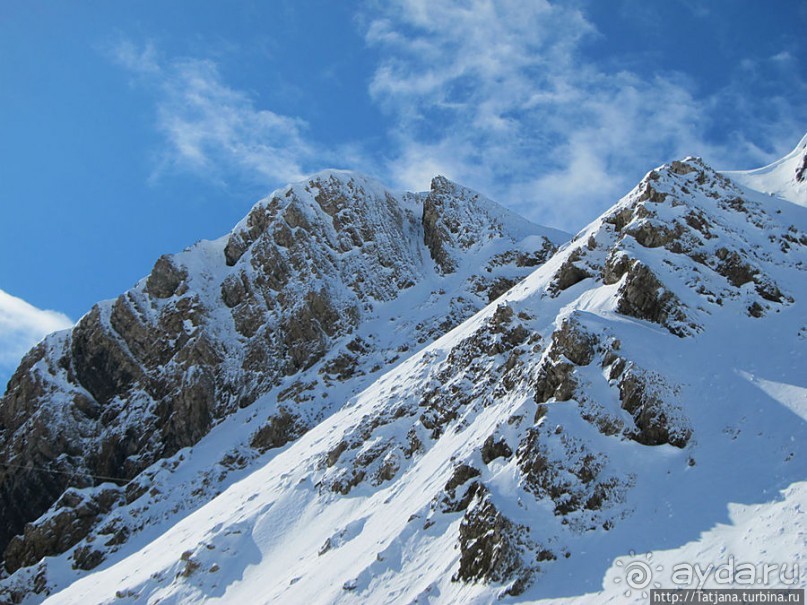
[334, 454]
[567, 472]
[643, 296]
[652, 235]
[650, 194]
[655, 424]
[574, 343]
[501, 318]
[523, 259]
[571, 346]
[74, 517]
[499, 287]
[256, 223]
[307, 328]
[512, 334]
[616, 265]
[165, 278]
[491, 547]
[755, 310]
[86, 558]
[733, 268]
[493, 449]
[25, 387]
[234, 289]
[436, 230]
[342, 367]
[451, 223]
[569, 273]
[620, 218]
[698, 221]
[453, 501]
[555, 379]
[678, 167]
[100, 364]
[347, 482]
[190, 412]
[277, 432]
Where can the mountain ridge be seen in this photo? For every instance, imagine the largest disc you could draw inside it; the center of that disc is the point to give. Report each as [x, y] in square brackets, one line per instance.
[786, 177]
[217, 325]
[549, 417]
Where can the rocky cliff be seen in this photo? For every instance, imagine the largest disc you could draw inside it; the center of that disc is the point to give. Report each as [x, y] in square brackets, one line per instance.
[286, 299]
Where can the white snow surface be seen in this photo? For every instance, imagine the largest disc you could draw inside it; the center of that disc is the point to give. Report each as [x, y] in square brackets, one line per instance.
[282, 531]
[780, 177]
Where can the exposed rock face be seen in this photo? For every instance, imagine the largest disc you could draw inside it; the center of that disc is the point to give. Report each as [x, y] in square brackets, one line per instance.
[644, 296]
[801, 171]
[574, 478]
[165, 278]
[491, 547]
[213, 328]
[277, 432]
[656, 421]
[459, 490]
[456, 219]
[493, 449]
[569, 274]
[73, 517]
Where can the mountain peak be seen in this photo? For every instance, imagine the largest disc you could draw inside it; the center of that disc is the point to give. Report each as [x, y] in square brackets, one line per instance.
[321, 286]
[785, 178]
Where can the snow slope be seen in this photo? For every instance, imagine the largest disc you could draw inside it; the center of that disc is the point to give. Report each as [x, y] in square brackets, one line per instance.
[785, 178]
[643, 391]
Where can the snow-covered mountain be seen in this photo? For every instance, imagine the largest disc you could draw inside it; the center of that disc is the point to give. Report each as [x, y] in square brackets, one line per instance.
[370, 430]
[785, 178]
[325, 285]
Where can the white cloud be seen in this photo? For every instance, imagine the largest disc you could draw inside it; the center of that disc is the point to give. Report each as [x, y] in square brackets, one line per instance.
[497, 94]
[22, 325]
[213, 129]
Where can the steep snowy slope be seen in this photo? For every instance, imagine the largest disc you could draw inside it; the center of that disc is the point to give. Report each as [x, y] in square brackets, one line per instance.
[786, 178]
[320, 288]
[643, 390]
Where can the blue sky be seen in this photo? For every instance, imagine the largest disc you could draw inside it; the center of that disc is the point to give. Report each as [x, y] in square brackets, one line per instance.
[132, 129]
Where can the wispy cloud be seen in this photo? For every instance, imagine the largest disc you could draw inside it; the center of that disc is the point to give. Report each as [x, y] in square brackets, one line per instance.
[498, 94]
[213, 129]
[22, 325]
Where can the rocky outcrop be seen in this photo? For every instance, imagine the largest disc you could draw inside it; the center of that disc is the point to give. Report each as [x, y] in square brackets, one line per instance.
[569, 274]
[74, 514]
[643, 296]
[656, 421]
[456, 219]
[492, 548]
[571, 345]
[565, 470]
[277, 432]
[459, 490]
